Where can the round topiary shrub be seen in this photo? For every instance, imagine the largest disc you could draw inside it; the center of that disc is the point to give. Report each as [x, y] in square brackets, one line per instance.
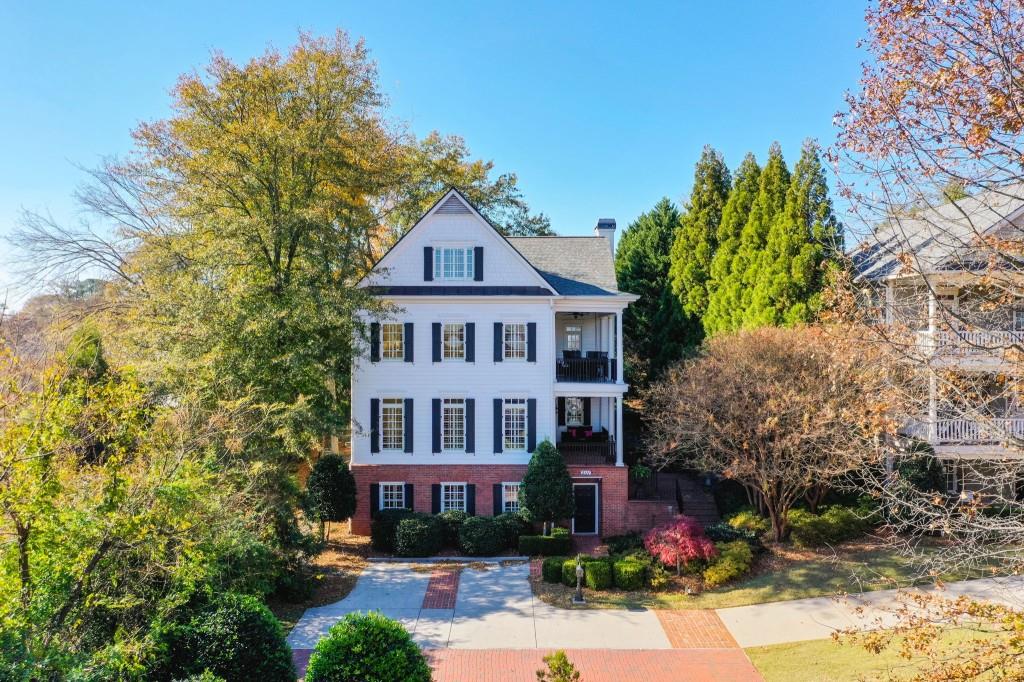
[551, 569]
[569, 572]
[629, 575]
[235, 637]
[598, 574]
[367, 646]
[510, 526]
[382, 530]
[480, 536]
[419, 535]
[452, 521]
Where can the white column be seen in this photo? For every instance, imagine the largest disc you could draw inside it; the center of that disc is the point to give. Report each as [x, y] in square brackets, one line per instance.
[933, 407]
[618, 431]
[618, 352]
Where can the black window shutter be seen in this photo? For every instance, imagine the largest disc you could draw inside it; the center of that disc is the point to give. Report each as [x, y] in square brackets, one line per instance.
[586, 411]
[375, 342]
[470, 342]
[561, 411]
[428, 264]
[408, 341]
[409, 499]
[499, 331]
[497, 426]
[470, 425]
[531, 429]
[478, 263]
[435, 498]
[531, 342]
[435, 332]
[435, 418]
[498, 502]
[407, 436]
[374, 499]
[374, 425]
[471, 499]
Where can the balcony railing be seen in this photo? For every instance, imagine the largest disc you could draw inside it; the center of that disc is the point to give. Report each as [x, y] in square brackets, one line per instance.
[975, 431]
[596, 367]
[588, 454]
[963, 343]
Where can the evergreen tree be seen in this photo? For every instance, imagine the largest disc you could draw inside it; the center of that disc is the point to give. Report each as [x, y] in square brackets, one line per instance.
[734, 217]
[697, 239]
[745, 269]
[330, 491]
[546, 493]
[800, 241]
[655, 326]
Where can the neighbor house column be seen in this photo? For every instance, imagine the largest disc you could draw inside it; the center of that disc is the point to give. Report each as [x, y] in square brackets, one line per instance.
[618, 430]
[618, 348]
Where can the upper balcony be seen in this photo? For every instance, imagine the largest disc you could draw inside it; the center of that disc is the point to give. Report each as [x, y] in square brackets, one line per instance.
[975, 345]
[587, 349]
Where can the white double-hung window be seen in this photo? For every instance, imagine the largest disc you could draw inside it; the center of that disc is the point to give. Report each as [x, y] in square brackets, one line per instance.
[392, 341]
[453, 341]
[515, 341]
[573, 411]
[510, 497]
[574, 337]
[453, 424]
[392, 422]
[392, 495]
[514, 419]
[453, 262]
[453, 496]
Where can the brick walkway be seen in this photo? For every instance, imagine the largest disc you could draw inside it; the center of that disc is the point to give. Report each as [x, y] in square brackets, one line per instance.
[442, 589]
[595, 665]
[696, 630]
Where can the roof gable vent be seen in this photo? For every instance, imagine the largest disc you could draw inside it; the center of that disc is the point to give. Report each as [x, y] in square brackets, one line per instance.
[453, 206]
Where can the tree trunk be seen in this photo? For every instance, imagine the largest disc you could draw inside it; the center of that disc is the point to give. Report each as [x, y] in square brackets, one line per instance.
[328, 538]
[24, 568]
[814, 496]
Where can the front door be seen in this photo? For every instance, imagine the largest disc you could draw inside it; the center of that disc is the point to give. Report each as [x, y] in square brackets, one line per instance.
[585, 520]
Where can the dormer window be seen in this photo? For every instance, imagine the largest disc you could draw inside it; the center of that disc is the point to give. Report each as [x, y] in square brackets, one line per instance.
[453, 262]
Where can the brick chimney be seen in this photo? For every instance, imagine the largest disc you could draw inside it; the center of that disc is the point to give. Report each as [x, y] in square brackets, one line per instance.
[606, 228]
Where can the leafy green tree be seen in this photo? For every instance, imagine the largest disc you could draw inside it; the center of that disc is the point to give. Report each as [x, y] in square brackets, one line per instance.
[367, 646]
[697, 237]
[735, 214]
[800, 242]
[655, 326]
[547, 488]
[330, 491]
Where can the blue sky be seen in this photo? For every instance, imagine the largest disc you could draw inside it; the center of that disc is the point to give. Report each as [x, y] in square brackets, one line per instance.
[601, 108]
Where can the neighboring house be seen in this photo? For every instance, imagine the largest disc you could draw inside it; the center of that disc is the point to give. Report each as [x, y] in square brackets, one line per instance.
[495, 344]
[945, 283]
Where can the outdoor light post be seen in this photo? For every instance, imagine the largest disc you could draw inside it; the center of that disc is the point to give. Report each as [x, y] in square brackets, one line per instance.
[578, 597]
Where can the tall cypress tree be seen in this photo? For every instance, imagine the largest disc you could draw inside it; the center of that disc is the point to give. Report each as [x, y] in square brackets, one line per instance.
[799, 242]
[734, 217]
[655, 325]
[697, 239]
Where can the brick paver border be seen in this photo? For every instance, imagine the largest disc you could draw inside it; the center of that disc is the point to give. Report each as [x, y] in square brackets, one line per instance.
[442, 588]
[697, 629]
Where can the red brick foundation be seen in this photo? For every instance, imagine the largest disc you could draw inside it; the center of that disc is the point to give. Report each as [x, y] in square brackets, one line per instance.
[613, 489]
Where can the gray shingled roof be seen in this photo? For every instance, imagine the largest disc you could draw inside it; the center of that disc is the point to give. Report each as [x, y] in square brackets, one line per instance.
[574, 266]
[939, 239]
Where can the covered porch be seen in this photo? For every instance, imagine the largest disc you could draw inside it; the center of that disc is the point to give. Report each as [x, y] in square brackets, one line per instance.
[589, 430]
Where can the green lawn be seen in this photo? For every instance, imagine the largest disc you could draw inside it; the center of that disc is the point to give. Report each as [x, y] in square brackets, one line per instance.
[825, 660]
[783, 575]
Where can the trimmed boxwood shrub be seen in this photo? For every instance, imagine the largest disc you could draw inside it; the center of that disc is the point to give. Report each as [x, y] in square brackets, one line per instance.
[452, 521]
[833, 525]
[510, 526]
[569, 572]
[621, 544]
[367, 646]
[598, 574]
[382, 530]
[748, 519]
[559, 532]
[551, 569]
[629, 574]
[419, 535]
[733, 561]
[539, 545]
[480, 536]
[723, 532]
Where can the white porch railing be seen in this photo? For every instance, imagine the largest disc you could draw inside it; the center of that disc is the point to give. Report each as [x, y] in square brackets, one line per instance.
[974, 431]
[966, 343]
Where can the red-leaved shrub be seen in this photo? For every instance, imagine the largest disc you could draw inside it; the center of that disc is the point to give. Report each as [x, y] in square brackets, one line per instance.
[679, 542]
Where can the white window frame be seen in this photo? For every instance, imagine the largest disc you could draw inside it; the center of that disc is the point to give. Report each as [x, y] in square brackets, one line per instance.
[454, 262]
[574, 337]
[388, 443]
[444, 346]
[571, 418]
[516, 350]
[508, 406]
[382, 497]
[454, 485]
[510, 506]
[453, 401]
[384, 348]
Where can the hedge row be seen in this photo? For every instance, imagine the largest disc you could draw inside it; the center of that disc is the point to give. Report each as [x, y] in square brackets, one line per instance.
[413, 534]
[599, 573]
